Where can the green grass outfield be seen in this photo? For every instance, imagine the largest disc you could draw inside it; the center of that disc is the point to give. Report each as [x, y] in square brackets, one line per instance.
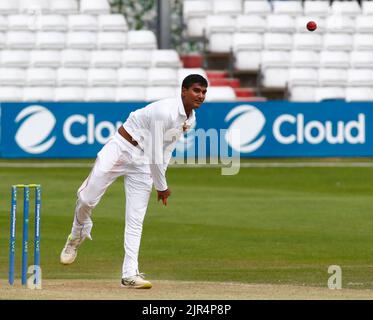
[264, 225]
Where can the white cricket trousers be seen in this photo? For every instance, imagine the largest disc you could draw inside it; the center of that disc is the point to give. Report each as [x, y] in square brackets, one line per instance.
[117, 158]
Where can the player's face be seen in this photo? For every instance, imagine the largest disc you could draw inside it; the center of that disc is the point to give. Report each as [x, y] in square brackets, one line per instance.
[195, 95]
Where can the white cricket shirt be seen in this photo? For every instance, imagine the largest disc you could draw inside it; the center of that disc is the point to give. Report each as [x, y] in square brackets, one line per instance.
[157, 127]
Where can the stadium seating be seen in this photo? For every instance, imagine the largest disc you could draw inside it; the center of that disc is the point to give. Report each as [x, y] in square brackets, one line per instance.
[64, 7]
[85, 46]
[106, 59]
[41, 77]
[38, 93]
[10, 94]
[271, 38]
[12, 77]
[71, 77]
[220, 94]
[132, 77]
[68, 94]
[100, 94]
[130, 94]
[70, 50]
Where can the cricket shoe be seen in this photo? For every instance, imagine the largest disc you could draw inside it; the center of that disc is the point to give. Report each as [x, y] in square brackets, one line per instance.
[136, 282]
[70, 251]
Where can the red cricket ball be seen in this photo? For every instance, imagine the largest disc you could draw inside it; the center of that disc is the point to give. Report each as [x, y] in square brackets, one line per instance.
[311, 26]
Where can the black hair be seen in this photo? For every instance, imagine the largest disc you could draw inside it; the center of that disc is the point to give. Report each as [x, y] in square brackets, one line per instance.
[192, 79]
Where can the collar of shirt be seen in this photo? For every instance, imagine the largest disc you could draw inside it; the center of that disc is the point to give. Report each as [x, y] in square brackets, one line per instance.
[192, 115]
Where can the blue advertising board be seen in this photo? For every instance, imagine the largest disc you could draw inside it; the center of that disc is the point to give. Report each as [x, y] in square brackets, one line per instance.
[252, 129]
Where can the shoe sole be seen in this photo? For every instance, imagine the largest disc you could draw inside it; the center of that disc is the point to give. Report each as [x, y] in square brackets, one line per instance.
[65, 263]
[144, 286]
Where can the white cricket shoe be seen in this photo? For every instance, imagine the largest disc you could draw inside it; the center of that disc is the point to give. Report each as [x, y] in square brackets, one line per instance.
[70, 251]
[136, 282]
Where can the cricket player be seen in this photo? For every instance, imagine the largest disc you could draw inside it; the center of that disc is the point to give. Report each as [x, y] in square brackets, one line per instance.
[140, 151]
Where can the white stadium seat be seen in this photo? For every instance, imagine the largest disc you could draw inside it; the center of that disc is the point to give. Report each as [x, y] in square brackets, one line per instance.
[359, 94]
[136, 58]
[248, 60]
[32, 6]
[34, 94]
[184, 72]
[247, 41]
[307, 59]
[2, 40]
[165, 59]
[106, 59]
[364, 24]
[157, 93]
[280, 23]
[3, 23]
[95, 7]
[76, 58]
[64, 7]
[162, 77]
[340, 24]
[112, 22]
[141, 39]
[50, 40]
[19, 22]
[194, 16]
[363, 42]
[318, 8]
[100, 94]
[102, 77]
[44, 77]
[293, 8]
[260, 8]
[303, 77]
[130, 94]
[338, 42]
[275, 58]
[360, 77]
[14, 58]
[227, 7]
[332, 77]
[132, 77]
[334, 59]
[81, 40]
[71, 77]
[220, 24]
[196, 8]
[12, 77]
[10, 94]
[307, 41]
[277, 41]
[112, 40]
[329, 93]
[220, 42]
[348, 8]
[196, 27]
[45, 58]
[302, 94]
[275, 77]
[53, 22]
[68, 94]
[82, 22]
[366, 6]
[220, 94]
[251, 24]
[20, 40]
[301, 24]
[8, 7]
[361, 59]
